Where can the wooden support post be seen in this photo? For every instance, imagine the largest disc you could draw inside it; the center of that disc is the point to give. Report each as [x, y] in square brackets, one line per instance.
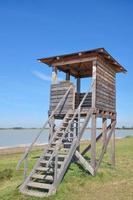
[67, 76]
[55, 167]
[94, 84]
[25, 167]
[93, 141]
[89, 146]
[106, 144]
[54, 75]
[78, 102]
[52, 127]
[78, 90]
[93, 119]
[104, 127]
[113, 146]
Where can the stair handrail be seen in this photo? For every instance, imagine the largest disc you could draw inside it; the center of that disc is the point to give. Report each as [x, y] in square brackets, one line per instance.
[55, 154]
[44, 126]
[78, 110]
[70, 123]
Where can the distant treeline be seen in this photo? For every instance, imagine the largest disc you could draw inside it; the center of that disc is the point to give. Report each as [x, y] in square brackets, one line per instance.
[21, 128]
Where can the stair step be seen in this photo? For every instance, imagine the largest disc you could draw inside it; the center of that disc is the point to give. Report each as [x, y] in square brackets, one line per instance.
[46, 161]
[63, 127]
[64, 149]
[67, 143]
[57, 137]
[44, 169]
[35, 193]
[42, 176]
[53, 143]
[39, 185]
[71, 114]
[61, 156]
[49, 155]
[65, 122]
[60, 132]
[50, 149]
[68, 118]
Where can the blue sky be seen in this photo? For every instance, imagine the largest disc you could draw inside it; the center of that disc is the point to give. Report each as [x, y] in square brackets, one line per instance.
[32, 29]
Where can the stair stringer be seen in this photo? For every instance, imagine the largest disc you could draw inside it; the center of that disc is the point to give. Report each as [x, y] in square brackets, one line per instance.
[66, 162]
[69, 156]
[22, 188]
[64, 167]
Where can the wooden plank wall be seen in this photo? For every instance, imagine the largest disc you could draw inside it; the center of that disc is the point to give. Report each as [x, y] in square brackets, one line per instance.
[87, 102]
[105, 88]
[56, 94]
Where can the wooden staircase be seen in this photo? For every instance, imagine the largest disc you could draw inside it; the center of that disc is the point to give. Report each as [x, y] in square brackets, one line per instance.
[52, 165]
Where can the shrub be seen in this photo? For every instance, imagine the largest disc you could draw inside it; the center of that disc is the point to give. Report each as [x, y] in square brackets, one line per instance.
[6, 174]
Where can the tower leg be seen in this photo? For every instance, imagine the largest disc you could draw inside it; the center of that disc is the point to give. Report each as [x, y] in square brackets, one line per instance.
[104, 127]
[113, 147]
[93, 141]
[78, 148]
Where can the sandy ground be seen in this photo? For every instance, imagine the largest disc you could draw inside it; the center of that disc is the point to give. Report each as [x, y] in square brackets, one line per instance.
[19, 149]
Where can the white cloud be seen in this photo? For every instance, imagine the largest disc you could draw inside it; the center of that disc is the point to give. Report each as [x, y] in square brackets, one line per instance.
[41, 75]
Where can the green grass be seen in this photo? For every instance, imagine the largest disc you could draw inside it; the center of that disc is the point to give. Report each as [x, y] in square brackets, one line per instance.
[109, 183]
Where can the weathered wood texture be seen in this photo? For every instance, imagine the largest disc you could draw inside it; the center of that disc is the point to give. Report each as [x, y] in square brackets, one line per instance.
[56, 94]
[86, 103]
[105, 88]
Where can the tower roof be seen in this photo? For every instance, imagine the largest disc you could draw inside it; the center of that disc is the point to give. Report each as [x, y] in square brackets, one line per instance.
[79, 64]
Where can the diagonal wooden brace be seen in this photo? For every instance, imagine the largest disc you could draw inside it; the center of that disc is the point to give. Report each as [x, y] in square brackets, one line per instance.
[106, 144]
[89, 146]
[84, 163]
[97, 139]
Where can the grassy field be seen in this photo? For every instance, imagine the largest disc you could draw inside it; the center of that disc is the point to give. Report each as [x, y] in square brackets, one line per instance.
[108, 184]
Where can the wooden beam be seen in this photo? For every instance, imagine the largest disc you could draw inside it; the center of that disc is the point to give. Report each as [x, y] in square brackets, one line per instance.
[54, 75]
[73, 61]
[89, 146]
[93, 141]
[93, 119]
[78, 102]
[106, 144]
[51, 127]
[113, 147]
[104, 127]
[94, 85]
[84, 163]
[78, 85]
[68, 76]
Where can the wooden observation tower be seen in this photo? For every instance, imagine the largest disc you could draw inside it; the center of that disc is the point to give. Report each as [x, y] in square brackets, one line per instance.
[75, 109]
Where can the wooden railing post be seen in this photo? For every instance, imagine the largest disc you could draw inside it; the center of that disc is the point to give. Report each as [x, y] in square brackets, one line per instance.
[25, 167]
[56, 167]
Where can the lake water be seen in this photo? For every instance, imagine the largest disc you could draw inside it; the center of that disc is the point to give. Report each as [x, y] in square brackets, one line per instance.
[10, 137]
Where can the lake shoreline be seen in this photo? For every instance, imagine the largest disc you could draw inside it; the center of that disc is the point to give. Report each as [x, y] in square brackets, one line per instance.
[21, 148]
[48, 129]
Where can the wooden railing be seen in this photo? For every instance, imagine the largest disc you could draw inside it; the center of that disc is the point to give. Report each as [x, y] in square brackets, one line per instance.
[76, 113]
[25, 155]
[79, 97]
